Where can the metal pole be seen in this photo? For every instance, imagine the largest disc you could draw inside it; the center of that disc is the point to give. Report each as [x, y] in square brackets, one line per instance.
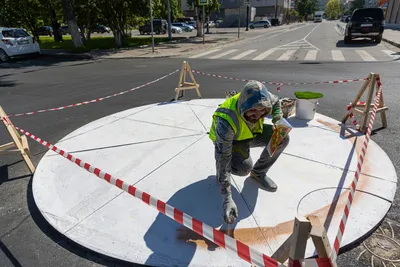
[247, 17]
[151, 26]
[203, 20]
[239, 21]
[169, 20]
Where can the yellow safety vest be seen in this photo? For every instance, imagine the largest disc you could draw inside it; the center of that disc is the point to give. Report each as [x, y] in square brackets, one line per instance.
[228, 111]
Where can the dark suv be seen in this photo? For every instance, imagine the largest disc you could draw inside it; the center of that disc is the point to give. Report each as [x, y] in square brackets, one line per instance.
[365, 22]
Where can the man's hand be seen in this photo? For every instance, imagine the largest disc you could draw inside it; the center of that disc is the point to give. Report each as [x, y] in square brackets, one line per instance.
[230, 211]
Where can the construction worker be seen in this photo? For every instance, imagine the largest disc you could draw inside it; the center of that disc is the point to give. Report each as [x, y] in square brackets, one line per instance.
[238, 124]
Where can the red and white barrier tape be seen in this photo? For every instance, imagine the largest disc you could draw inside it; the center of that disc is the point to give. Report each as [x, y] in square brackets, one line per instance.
[351, 115]
[242, 250]
[93, 100]
[346, 212]
[279, 83]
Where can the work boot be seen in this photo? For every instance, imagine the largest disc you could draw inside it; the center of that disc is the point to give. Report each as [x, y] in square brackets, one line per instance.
[265, 181]
[230, 212]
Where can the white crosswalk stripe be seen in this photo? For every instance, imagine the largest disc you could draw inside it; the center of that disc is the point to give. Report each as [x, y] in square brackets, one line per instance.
[205, 53]
[245, 53]
[311, 55]
[365, 55]
[392, 54]
[293, 53]
[264, 55]
[223, 54]
[337, 55]
[287, 55]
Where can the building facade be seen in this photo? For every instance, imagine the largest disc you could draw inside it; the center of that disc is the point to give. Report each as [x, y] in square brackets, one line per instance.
[392, 11]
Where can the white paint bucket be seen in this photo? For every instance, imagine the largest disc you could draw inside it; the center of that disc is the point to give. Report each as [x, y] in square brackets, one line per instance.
[305, 108]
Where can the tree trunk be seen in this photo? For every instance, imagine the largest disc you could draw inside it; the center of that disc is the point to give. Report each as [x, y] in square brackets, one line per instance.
[198, 22]
[72, 25]
[118, 38]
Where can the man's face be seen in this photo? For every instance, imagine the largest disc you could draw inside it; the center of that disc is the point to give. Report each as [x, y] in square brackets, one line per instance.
[254, 114]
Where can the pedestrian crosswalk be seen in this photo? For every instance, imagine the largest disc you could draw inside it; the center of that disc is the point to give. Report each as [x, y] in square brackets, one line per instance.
[279, 54]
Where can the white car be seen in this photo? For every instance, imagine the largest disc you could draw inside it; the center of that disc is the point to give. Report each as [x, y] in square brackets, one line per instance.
[16, 42]
[175, 29]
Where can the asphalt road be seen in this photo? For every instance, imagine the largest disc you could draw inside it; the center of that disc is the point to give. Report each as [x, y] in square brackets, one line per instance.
[313, 42]
[26, 239]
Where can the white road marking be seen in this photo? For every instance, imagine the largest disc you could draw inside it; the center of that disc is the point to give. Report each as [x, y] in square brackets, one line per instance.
[392, 54]
[365, 56]
[241, 55]
[223, 54]
[337, 55]
[205, 53]
[286, 55]
[311, 55]
[264, 55]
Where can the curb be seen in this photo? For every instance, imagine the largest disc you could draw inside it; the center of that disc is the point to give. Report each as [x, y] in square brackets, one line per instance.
[55, 54]
[391, 42]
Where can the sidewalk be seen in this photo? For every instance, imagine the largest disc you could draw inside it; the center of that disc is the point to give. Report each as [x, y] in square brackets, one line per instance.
[392, 37]
[218, 37]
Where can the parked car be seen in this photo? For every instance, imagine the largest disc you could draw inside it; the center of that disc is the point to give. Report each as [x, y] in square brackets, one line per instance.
[16, 42]
[365, 22]
[45, 30]
[192, 23]
[175, 29]
[185, 27]
[99, 28]
[159, 26]
[260, 24]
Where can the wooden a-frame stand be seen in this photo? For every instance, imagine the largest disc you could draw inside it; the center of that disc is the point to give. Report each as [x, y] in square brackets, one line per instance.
[20, 143]
[294, 247]
[183, 84]
[367, 107]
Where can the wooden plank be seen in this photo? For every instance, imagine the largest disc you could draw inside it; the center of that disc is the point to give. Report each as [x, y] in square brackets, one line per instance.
[282, 253]
[359, 94]
[17, 140]
[364, 119]
[7, 146]
[301, 232]
[321, 243]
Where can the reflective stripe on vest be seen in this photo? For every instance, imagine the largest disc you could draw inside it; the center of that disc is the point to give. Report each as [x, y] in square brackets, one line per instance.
[228, 111]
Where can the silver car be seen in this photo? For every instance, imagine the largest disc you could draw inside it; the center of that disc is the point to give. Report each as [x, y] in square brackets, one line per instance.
[260, 24]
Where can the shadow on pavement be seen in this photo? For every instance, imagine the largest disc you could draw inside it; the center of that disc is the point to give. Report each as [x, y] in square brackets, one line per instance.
[356, 43]
[6, 83]
[41, 61]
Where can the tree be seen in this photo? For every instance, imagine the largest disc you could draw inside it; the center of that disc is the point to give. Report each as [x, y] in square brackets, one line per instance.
[72, 25]
[356, 4]
[213, 5]
[306, 7]
[20, 13]
[333, 9]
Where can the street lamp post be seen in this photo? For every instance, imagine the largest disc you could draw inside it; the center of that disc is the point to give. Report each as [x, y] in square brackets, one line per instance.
[169, 20]
[151, 26]
[247, 15]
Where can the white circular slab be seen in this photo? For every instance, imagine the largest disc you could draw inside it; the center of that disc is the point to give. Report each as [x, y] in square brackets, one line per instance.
[164, 150]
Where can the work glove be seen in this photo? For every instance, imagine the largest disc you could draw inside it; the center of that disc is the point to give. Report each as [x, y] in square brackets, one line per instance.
[230, 211]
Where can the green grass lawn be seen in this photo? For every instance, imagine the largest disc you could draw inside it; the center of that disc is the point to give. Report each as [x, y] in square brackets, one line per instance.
[97, 43]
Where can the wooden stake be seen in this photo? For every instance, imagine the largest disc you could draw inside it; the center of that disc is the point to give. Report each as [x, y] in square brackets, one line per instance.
[19, 142]
[300, 236]
[321, 243]
[183, 84]
[367, 107]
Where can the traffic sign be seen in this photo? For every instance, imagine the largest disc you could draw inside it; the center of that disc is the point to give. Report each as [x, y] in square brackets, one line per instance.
[202, 2]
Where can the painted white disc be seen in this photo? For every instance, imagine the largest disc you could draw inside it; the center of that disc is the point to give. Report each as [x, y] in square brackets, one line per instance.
[164, 150]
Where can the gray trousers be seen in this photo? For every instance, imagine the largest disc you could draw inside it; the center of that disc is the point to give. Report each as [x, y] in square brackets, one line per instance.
[241, 162]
